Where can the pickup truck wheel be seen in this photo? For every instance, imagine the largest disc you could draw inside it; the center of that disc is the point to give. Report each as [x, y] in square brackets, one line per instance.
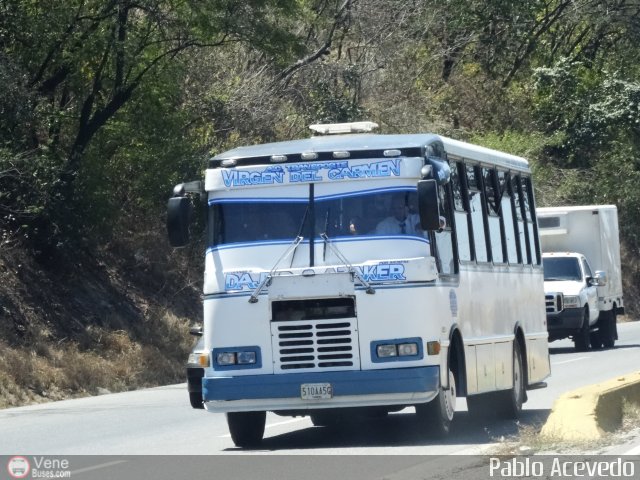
[596, 340]
[582, 340]
[246, 428]
[608, 329]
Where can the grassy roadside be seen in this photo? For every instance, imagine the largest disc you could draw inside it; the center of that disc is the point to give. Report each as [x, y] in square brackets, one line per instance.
[100, 321]
[529, 442]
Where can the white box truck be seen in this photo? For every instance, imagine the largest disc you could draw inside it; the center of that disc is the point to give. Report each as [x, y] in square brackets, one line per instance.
[583, 280]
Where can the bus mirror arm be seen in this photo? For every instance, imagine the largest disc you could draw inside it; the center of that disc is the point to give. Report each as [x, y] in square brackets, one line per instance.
[267, 280]
[368, 288]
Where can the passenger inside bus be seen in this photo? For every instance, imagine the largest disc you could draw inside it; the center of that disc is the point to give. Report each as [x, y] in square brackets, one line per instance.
[400, 222]
[356, 226]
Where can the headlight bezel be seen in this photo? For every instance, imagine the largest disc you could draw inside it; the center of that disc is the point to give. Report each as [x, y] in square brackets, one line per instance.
[571, 301]
[397, 349]
[236, 358]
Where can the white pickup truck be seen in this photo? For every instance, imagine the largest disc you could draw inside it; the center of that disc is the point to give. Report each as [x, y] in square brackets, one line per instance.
[583, 281]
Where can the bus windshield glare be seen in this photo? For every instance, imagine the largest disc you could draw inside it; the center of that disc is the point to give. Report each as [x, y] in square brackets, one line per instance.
[378, 213]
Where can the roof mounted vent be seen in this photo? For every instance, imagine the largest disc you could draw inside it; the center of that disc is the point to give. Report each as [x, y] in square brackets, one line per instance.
[338, 128]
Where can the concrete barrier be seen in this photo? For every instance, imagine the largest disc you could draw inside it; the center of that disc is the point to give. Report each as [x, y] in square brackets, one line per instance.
[590, 412]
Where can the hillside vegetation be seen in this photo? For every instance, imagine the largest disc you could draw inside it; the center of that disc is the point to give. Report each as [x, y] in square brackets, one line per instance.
[106, 104]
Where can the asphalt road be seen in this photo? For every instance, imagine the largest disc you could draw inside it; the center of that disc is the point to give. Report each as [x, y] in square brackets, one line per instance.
[159, 421]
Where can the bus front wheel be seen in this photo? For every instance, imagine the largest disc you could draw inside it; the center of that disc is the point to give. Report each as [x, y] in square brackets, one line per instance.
[437, 415]
[246, 428]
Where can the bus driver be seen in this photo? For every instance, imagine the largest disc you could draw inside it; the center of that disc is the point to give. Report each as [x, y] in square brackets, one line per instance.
[400, 222]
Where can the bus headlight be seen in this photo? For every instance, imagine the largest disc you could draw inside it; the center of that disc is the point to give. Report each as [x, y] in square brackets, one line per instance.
[246, 358]
[407, 349]
[571, 301]
[231, 358]
[385, 351]
[397, 349]
[226, 358]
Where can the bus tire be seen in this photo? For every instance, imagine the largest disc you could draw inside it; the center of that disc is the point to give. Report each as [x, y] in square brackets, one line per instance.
[509, 402]
[324, 419]
[582, 340]
[481, 406]
[436, 416]
[195, 398]
[246, 428]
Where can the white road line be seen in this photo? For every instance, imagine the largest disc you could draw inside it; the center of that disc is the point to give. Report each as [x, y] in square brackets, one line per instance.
[277, 424]
[569, 361]
[97, 467]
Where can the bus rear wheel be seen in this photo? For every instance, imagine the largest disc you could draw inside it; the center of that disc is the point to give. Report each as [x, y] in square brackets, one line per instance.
[509, 402]
[436, 416]
[246, 428]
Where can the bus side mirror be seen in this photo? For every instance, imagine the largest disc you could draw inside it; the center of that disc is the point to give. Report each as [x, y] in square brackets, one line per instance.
[178, 216]
[428, 205]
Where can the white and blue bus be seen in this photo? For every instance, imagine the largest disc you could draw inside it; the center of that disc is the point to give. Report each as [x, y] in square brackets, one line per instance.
[355, 272]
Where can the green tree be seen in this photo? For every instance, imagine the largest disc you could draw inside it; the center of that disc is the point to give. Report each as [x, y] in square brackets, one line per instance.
[82, 62]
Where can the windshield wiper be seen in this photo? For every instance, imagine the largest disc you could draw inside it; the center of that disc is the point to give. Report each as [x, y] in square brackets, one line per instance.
[326, 229]
[304, 220]
[266, 280]
[327, 241]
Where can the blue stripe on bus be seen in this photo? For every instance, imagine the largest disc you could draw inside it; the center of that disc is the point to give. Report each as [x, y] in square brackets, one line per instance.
[370, 382]
[355, 193]
[359, 193]
[318, 240]
[431, 283]
[216, 201]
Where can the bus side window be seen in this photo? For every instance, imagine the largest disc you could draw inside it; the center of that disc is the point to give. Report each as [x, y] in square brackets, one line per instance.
[527, 194]
[493, 215]
[460, 213]
[477, 216]
[444, 237]
[506, 211]
[523, 233]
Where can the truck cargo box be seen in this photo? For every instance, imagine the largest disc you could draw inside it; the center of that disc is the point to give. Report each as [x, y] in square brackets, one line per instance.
[591, 230]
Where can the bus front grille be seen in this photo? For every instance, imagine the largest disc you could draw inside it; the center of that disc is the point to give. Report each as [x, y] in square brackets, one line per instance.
[307, 345]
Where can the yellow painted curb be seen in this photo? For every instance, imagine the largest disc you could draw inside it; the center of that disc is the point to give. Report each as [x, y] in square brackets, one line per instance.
[590, 412]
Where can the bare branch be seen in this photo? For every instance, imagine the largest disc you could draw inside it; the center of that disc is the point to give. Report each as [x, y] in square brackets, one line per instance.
[320, 51]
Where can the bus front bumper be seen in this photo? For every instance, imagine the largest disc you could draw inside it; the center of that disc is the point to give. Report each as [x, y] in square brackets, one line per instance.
[402, 386]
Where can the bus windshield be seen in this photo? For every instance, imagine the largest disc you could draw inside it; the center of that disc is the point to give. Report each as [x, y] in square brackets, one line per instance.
[559, 269]
[378, 213]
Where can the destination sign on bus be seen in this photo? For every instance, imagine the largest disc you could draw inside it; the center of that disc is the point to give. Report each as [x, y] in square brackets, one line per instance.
[310, 172]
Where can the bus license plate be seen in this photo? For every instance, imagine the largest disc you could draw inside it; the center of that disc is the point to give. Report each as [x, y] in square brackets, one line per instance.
[316, 391]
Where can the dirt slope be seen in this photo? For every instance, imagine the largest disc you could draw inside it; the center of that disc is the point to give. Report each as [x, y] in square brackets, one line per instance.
[113, 319]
